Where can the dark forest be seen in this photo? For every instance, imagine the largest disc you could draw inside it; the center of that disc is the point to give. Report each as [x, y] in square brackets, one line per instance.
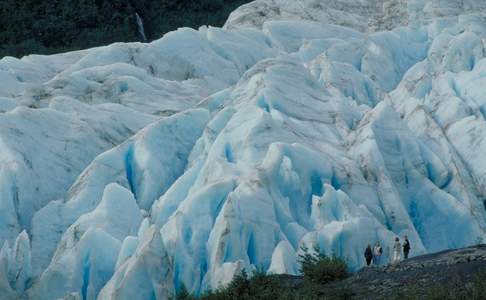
[53, 26]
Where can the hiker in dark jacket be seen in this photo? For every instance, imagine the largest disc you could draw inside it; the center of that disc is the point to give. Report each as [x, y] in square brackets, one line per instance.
[368, 255]
[406, 247]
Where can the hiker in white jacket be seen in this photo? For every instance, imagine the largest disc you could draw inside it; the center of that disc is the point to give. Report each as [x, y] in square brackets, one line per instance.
[397, 250]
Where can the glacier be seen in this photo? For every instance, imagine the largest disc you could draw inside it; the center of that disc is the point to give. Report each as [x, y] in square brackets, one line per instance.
[131, 169]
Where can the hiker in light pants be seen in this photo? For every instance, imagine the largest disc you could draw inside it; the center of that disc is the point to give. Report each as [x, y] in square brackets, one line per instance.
[397, 251]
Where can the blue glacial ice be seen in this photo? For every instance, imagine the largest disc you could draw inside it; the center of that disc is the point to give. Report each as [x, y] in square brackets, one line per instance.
[131, 169]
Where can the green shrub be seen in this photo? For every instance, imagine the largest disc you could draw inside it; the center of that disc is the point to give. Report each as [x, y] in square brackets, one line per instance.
[259, 286]
[183, 294]
[318, 268]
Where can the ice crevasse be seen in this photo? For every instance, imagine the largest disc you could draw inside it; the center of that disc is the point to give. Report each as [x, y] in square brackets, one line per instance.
[131, 169]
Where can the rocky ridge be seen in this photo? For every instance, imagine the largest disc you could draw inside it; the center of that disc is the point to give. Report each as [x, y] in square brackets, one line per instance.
[417, 274]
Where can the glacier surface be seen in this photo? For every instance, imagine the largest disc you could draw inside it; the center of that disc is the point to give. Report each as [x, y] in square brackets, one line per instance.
[131, 169]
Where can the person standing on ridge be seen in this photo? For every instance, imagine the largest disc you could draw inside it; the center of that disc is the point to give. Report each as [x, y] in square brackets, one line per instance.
[368, 255]
[397, 248]
[406, 247]
[377, 252]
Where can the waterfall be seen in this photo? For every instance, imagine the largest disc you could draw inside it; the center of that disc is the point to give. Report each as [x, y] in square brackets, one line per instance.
[141, 30]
